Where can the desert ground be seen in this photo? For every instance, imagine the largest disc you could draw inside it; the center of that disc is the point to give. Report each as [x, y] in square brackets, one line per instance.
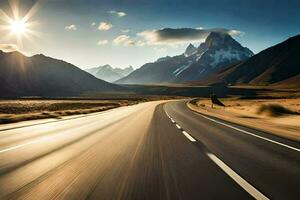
[279, 115]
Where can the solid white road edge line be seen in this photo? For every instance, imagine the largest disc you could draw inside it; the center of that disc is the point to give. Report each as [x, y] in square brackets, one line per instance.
[252, 134]
[188, 136]
[238, 179]
[34, 141]
[65, 118]
[26, 144]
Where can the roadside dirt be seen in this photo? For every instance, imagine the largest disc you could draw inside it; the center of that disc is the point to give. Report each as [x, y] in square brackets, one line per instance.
[246, 112]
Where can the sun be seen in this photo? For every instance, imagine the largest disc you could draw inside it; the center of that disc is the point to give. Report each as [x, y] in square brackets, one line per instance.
[18, 27]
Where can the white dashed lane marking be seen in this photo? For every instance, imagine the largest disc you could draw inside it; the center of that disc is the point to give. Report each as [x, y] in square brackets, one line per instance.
[188, 136]
[178, 126]
[230, 172]
[237, 178]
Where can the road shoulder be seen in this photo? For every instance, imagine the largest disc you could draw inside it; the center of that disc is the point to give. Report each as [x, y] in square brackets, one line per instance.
[256, 124]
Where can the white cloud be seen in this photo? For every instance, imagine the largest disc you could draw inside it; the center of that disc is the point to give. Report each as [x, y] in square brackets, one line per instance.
[148, 35]
[121, 14]
[8, 47]
[71, 27]
[170, 37]
[179, 36]
[125, 30]
[102, 42]
[104, 26]
[118, 13]
[93, 24]
[123, 40]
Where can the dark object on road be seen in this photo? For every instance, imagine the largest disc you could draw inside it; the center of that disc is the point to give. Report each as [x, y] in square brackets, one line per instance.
[215, 100]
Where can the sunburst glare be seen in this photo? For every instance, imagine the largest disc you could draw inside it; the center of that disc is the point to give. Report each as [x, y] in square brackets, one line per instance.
[18, 27]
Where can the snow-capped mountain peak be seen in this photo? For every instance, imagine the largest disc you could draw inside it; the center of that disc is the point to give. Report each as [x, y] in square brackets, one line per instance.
[108, 73]
[217, 52]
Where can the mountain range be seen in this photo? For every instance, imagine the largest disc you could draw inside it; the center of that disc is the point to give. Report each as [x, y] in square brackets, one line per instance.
[217, 52]
[219, 60]
[47, 77]
[109, 73]
[277, 65]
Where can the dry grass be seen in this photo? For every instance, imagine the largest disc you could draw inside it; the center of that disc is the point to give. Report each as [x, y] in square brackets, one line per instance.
[21, 110]
[31, 109]
[275, 110]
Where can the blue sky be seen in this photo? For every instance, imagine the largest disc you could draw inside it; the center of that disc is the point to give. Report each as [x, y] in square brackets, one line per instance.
[71, 29]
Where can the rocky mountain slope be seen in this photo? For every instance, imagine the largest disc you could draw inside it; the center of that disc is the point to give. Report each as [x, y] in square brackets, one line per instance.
[218, 51]
[44, 76]
[277, 65]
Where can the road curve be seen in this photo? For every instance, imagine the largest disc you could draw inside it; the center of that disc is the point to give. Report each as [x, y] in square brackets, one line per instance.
[153, 150]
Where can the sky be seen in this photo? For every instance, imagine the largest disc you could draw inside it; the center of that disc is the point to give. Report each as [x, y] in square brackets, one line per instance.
[90, 33]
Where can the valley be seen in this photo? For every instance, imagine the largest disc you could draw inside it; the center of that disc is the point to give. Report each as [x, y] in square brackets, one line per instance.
[149, 100]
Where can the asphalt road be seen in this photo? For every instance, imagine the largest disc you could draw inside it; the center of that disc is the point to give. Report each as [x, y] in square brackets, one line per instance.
[147, 151]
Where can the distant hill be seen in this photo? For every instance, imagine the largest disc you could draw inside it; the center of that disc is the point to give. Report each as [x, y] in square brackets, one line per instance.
[218, 51]
[44, 76]
[109, 73]
[277, 65]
